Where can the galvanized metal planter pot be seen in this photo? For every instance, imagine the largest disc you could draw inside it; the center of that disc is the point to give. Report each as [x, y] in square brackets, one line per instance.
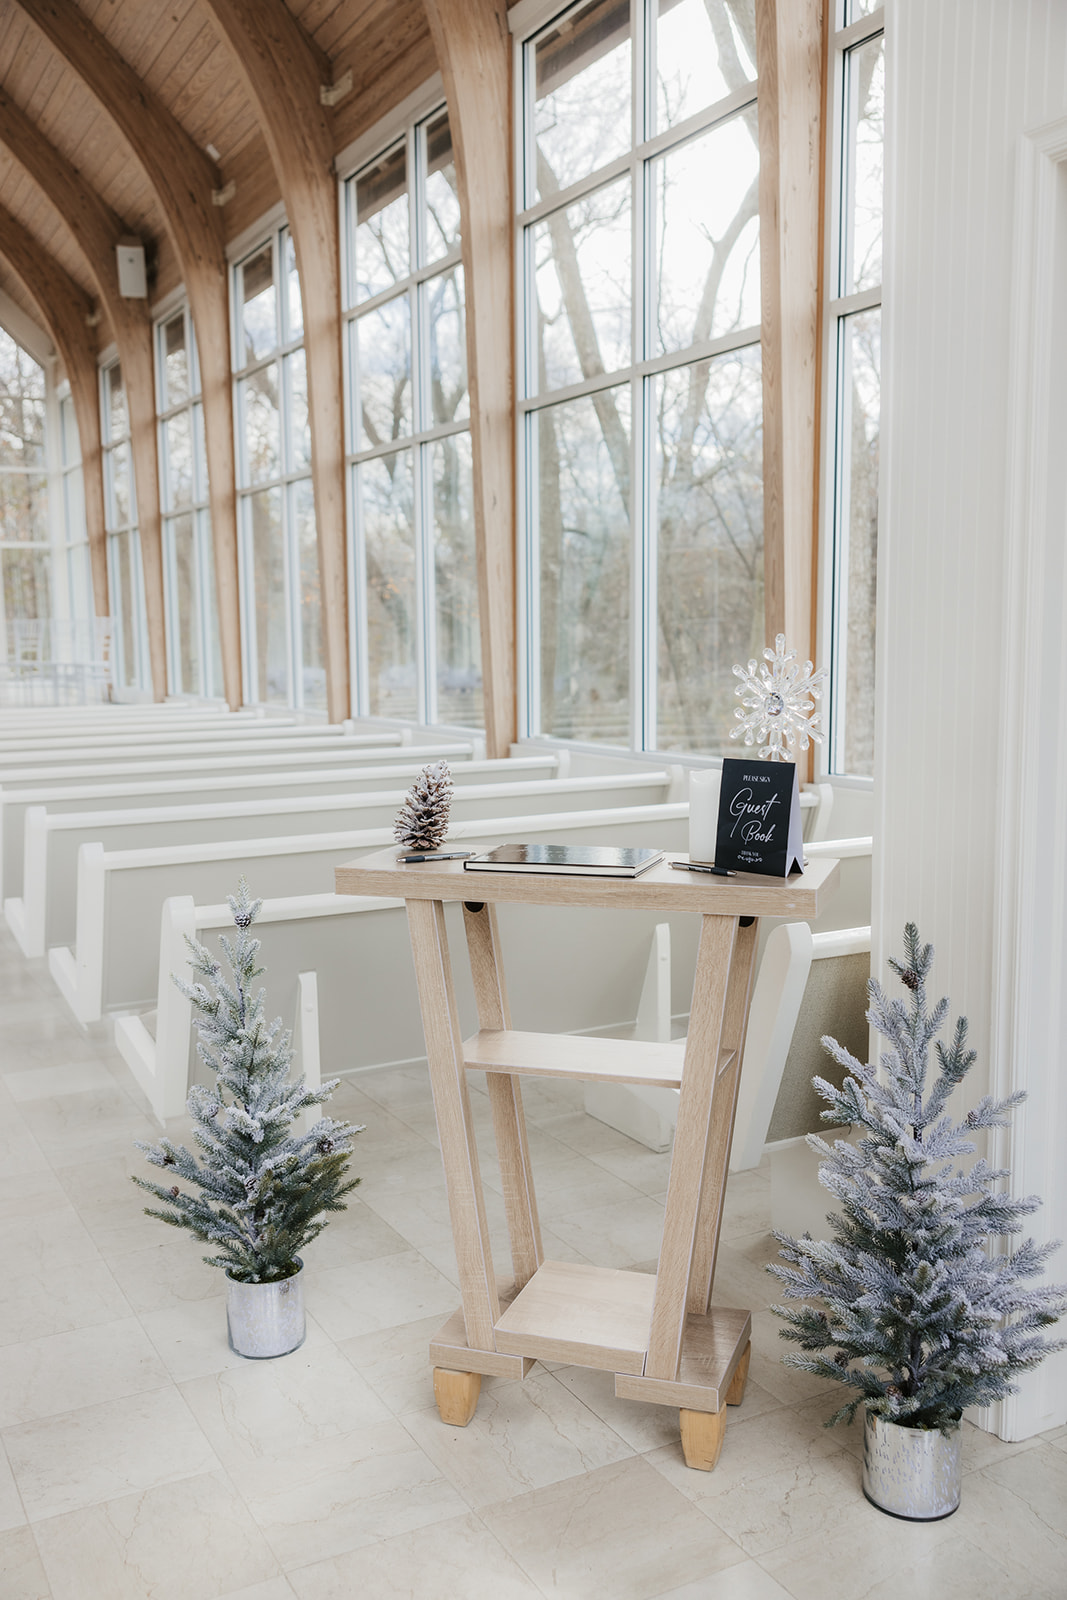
[266, 1319]
[913, 1473]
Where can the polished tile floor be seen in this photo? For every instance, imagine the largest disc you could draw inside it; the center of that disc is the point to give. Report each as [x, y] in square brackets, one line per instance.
[140, 1458]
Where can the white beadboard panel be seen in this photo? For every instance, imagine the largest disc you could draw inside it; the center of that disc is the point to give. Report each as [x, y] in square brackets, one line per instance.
[966, 80]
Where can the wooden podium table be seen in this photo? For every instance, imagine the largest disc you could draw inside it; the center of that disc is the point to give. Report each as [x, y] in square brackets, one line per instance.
[659, 1335]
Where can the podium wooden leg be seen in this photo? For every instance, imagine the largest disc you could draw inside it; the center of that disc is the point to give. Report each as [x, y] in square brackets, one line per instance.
[456, 1394]
[736, 1392]
[702, 1436]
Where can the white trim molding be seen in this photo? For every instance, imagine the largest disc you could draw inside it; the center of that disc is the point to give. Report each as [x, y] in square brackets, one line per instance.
[1030, 854]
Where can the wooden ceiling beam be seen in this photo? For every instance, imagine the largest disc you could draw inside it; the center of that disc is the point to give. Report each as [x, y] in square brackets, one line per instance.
[474, 53]
[183, 179]
[97, 230]
[65, 310]
[283, 71]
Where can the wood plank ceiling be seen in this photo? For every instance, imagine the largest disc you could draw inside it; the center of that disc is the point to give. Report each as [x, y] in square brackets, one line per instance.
[186, 65]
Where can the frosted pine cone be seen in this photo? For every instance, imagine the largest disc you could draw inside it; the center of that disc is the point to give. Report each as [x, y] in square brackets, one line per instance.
[422, 821]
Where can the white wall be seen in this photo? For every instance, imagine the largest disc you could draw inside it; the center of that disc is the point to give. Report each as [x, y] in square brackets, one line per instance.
[967, 81]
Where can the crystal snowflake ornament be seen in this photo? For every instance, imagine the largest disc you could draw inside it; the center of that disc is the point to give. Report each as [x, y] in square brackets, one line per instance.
[777, 702]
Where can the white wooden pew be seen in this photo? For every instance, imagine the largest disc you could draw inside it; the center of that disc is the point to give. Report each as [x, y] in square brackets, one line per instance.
[249, 737]
[340, 967]
[36, 736]
[192, 788]
[44, 915]
[271, 758]
[121, 893]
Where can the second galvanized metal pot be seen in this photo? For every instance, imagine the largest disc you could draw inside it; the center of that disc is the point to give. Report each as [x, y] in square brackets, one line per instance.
[913, 1473]
[266, 1319]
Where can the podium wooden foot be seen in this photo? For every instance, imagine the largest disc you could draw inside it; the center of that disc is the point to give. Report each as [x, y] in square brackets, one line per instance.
[736, 1392]
[702, 1436]
[456, 1394]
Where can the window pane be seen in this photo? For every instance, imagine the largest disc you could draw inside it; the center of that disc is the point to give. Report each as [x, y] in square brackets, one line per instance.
[73, 506]
[294, 308]
[705, 49]
[175, 362]
[709, 538]
[386, 497]
[444, 315]
[259, 318]
[268, 569]
[80, 578]
[26, 585]
[123, 608]
[69, 436]
[582, 264]
[866, 76]
[299, 425]
[584, 524]
[383, 245]
[581, 115]
[200, 477]
[859, 442]
[459, 656]
[259, 396]
[854, 9]
[442, 197]
[707, 236]
[184, 604]
[21, 406]
[119, 475]
[115, 419]
[24, 507]
[213, 683]
[179, 485]
[383, 373]
[313, 659]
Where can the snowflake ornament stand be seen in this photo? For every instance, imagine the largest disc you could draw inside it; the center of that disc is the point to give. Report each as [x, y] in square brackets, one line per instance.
[777, 702]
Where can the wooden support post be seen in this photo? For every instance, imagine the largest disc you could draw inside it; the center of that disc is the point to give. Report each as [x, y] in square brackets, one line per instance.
[182, 179]
[739, 1382]
[696, 1102]
[451, 1100]
[65, 310]
[735, 1023]
[789, 60]
[96, 230]
[505, 1096]
[283, 72]
[474, 51]
[702, 1435]
[456, 1394]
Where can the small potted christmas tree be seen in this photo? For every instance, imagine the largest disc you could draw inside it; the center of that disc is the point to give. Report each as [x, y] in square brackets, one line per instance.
[909, 1309]
[260, 1193]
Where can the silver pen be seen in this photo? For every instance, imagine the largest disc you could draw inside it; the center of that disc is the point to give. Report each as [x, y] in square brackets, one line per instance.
[698, 866]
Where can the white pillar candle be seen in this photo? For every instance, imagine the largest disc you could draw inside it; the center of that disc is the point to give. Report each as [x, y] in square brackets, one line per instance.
[703, 813]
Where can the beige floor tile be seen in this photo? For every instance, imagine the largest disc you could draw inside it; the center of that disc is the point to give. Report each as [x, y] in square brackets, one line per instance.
[617, 1235]
[456, 1560]
[100, 1452]
[22, 1576]
[30, 1195]
[42, 1083]
[271, 1589]
[355, 1235]
[110, 1206]
[263, 1410]
[192, 1540]
[353, 1489]
[523, 1436]
[192, 1341]
[786, 1506]
[959, 1570]
[378, 1294]
[73, 1128]
[53, 1240]
[870, 1553]
[643, 1427]
[647, 1170]
[746, 1581]
[754, 1448]
[43, 1377]
[19, 1151]
[620, 1531]
[44, 1300]
[396, 1363]
[169, 1272]
[12, 1514]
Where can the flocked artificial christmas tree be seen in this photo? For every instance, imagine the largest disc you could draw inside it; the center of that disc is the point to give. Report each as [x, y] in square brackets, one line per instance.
[259, 1194]
[909, 1310]
[422, 821]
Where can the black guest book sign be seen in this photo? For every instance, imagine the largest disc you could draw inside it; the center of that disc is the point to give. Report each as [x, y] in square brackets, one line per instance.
[759, 818]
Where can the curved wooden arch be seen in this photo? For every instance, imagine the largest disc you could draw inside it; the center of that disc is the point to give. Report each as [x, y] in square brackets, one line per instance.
[64, 310]
[283, 71]
[96, 231]
[182, 179]
[474, 53]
